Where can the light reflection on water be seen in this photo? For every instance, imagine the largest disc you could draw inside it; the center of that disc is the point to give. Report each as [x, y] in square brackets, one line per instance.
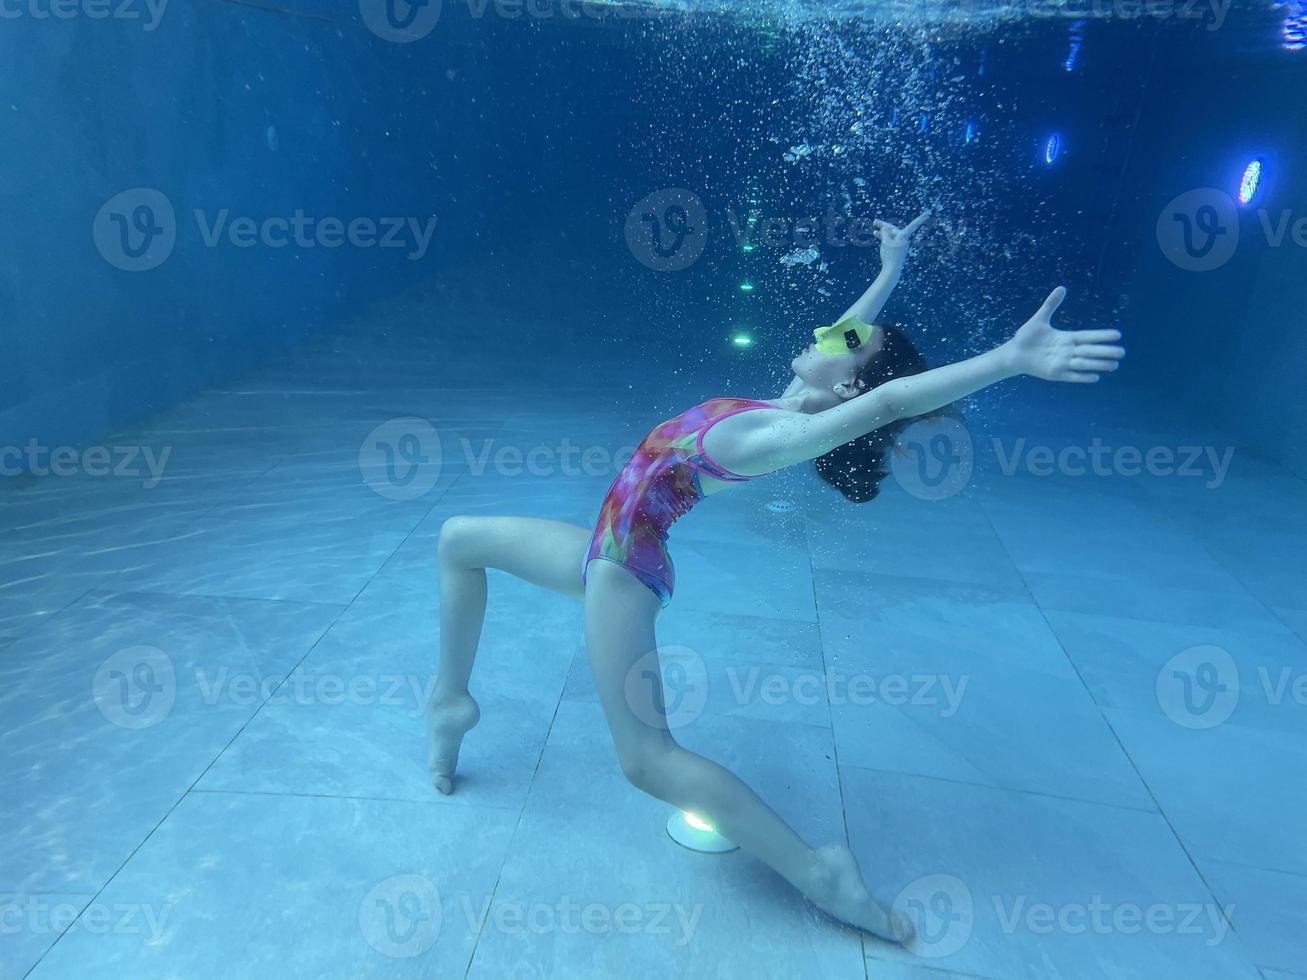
[1207, 13]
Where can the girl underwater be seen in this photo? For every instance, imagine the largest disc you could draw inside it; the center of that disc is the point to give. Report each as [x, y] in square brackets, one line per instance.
[853, 390]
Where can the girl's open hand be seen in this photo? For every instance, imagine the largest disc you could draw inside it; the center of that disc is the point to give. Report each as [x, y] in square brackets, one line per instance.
[894, 241]
[1080, 356]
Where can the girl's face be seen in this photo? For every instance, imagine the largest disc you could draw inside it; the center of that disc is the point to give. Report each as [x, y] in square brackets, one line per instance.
[827, 371]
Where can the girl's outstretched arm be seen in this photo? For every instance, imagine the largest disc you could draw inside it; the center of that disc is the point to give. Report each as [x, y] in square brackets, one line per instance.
[894, 244]
[1036, 349]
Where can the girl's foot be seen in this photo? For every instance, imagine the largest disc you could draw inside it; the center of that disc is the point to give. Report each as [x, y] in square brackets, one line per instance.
[837, 889]
[448, 719]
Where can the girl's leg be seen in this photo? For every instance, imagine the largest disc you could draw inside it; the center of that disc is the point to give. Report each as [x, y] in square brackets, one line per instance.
[545, 553]
[619, 629]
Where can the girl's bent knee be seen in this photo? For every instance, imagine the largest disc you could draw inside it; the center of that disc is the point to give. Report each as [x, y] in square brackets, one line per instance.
[651, 768]
[455, 536]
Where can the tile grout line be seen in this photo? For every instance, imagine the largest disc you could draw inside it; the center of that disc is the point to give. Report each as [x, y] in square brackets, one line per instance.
[346, 796]
[830, 719]
[1005, 789]
[1119, 741]
[521, 814]
[188, 791]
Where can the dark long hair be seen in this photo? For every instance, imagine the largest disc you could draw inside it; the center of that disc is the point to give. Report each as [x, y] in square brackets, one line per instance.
[856, 468]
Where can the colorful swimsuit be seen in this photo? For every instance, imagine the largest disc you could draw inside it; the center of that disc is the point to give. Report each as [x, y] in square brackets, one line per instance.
[659, 485]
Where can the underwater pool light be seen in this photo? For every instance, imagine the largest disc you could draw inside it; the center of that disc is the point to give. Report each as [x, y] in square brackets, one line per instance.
[1295, 26]
[742, 339]
[1073, 55]
[1052, 148]
[697, 834]
[973, 131]
[1077, 42]
[1250, 182]
[748, 247]
[746, 287]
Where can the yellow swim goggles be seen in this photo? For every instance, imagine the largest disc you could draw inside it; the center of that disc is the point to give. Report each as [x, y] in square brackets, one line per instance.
[844, 337]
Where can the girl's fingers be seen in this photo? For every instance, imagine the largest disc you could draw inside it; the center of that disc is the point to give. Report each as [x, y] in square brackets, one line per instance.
[1093, 364]
[1052, 303]
[1099, 350]
[917, 222]
[1095, 336]
[878, 224]
[1079, 377]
